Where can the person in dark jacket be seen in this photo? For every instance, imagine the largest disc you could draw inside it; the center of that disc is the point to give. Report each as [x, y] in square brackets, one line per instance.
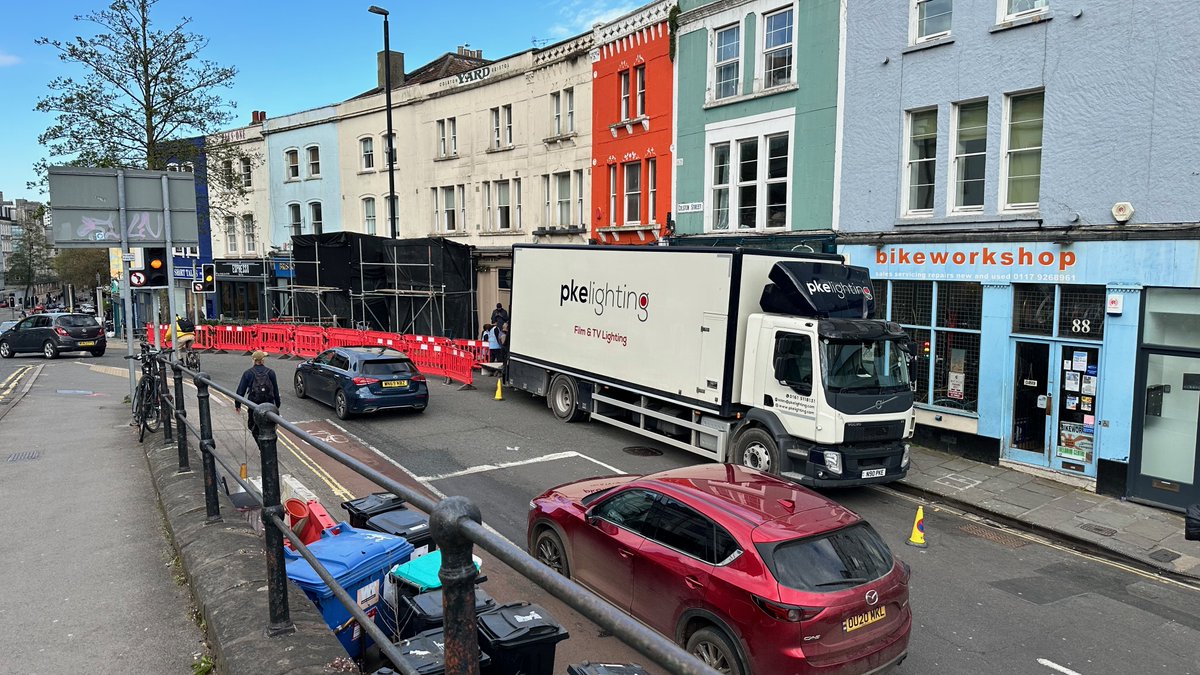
[499, 315]
[259, 385]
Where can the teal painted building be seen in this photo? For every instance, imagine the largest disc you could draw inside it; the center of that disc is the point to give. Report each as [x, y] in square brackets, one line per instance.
[756, 129]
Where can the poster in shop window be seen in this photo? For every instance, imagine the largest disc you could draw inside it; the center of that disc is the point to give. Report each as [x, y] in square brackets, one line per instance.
[1074, 443]
[957, 378]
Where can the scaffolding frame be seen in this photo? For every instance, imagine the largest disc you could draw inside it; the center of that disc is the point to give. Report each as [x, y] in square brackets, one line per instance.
[318, 290]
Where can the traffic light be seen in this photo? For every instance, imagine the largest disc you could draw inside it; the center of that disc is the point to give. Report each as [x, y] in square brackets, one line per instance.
[925, 353]
[208, 279]
[156, 267]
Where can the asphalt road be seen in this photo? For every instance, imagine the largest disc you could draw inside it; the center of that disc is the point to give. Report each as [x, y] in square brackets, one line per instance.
[984, 601]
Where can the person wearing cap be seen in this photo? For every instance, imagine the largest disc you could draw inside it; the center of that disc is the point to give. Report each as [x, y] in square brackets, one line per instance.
[259, 385]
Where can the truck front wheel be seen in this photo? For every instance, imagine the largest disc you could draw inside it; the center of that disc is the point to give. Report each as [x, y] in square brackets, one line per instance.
[756, 448]
[563, 397]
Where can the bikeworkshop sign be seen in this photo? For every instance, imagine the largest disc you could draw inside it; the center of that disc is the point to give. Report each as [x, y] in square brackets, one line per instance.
[86, 207]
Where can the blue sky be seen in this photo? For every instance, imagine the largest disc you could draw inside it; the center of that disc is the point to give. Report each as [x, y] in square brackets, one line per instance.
[291, 56]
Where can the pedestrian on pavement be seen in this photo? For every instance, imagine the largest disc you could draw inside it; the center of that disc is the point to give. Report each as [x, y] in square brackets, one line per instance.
[259, 385]
[499, 315]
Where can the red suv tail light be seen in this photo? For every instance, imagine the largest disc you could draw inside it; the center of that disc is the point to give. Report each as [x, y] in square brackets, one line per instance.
[61, 331]
[790, 613]
[364, 381]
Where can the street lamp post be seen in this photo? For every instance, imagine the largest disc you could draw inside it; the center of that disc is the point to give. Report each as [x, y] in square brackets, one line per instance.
[391, 151]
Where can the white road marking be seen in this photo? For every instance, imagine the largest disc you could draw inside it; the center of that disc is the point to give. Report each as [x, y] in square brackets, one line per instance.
[503, 465]
[1054, 666]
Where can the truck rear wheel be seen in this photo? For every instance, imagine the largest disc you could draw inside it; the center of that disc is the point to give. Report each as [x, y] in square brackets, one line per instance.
[563, 397]
[756, 448]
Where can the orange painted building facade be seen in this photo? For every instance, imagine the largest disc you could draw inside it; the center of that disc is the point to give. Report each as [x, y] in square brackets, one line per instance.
[632, 109]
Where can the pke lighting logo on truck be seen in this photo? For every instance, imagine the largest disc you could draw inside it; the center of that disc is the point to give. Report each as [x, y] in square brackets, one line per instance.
[839, 288]
[604, 297]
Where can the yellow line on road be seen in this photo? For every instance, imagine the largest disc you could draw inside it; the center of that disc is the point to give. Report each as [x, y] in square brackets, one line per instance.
[338, 489]
[14, 379]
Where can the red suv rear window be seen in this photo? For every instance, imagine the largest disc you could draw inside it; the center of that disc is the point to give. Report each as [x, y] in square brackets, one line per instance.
[830, 562]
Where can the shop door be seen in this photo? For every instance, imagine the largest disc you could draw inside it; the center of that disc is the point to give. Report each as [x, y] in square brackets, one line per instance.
[1032, 408]
[1076, 404]
[1164, 467]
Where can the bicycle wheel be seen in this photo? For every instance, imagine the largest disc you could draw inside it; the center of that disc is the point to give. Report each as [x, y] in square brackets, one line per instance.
[191, 361]
[151, 406]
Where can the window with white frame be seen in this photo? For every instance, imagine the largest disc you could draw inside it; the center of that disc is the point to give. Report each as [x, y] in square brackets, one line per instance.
[314, 161]
[495, 127]
[556, 105]
[727, 61]
[436, 200]
[639, 79]
[581, 217]
[292, 159]
[970, 155]
[247, 173]
[569, 98]
[294, 219]
[777, 48]
[612, 195]
[921, 172]
[546, 192]
[441, 138]
[488, 224]
[368, 211]
[503, 206]
[652, 190]
[452, 130]
[449, 209]
[633, 192]
[508, 124]
[231, 241]
[720, 186]
[390, 148]
[516, 183]
[624, 78]
[1022, 173]
[447, 132]
[248, 232]
[366, 148]
[314, 211]
[1011, 9]
[931, 19]
[748, 178]
[227, 173]
[562, 185]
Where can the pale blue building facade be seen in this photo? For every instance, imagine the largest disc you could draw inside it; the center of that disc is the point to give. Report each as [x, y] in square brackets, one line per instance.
[305, 181]
[1020, 178]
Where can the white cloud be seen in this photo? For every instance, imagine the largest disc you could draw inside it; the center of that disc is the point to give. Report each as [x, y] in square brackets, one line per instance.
[7, 59]
[579, 16]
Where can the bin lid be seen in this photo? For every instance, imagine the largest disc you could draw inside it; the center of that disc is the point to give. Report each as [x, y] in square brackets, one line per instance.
[426, 652]
[422, 573]
[373, 504]
[402, 522]
[519, 623]
[349, 556]
[429, 604]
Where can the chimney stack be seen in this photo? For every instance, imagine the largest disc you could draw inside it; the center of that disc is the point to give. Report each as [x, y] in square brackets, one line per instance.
[464, 50]
[397, 61]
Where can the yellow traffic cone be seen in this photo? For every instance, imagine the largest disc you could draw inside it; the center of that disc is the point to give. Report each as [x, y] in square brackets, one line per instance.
[917, 538]
[242, 471]
[499, 394]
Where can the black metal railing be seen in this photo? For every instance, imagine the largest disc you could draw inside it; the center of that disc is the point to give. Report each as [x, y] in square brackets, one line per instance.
[455, 523]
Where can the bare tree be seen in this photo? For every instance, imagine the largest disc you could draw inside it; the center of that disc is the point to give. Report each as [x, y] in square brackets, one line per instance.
[144, 91]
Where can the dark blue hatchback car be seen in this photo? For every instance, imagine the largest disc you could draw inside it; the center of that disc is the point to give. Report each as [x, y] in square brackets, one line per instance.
[361, 380]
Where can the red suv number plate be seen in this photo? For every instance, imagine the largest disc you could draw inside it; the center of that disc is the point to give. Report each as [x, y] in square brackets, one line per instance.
[856, 622]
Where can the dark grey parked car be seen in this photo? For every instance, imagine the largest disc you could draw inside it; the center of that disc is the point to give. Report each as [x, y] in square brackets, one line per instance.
[52, 334]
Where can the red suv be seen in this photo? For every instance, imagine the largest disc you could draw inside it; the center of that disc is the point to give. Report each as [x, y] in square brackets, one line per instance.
[752, 574]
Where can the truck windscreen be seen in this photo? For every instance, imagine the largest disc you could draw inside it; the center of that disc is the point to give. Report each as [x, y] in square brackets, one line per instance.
[865, 366]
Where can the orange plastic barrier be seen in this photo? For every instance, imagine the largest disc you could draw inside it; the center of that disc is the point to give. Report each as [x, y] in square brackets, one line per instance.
[274, 339]
[204, 338]
[459, 365]
[382, 339]
[235, 338]
[309, 341]
[163, 329]
[477, 348]
[427, 357]
[344, 337]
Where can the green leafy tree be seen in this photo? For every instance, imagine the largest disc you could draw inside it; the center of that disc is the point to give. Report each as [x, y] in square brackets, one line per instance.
[31, 261]
[143, 89]
[81, 267]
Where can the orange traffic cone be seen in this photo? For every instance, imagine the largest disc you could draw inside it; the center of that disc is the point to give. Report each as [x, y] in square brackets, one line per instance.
[917, 538]
[499, 394]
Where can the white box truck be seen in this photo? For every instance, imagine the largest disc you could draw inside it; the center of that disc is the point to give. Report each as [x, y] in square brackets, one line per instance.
[761, 358]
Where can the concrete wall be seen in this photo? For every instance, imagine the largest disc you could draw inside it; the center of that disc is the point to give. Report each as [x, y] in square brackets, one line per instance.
[1120, 97]
[807, 108]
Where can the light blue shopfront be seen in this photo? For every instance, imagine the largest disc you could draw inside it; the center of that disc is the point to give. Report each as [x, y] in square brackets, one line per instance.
[1031, 347]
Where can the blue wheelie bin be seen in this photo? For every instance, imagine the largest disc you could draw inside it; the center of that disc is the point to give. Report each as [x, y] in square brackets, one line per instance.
[358, 561]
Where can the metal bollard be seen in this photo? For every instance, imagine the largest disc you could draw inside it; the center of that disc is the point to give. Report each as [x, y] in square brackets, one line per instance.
[458, 575]
[164, 400]
[180, 407]
[277, 598]
[212, 506]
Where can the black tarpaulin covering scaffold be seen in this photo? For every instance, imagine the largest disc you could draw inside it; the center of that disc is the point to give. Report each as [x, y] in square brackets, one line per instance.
[422, 286]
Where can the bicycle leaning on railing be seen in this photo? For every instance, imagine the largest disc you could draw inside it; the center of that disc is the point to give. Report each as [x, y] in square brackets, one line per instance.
[147, 397]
